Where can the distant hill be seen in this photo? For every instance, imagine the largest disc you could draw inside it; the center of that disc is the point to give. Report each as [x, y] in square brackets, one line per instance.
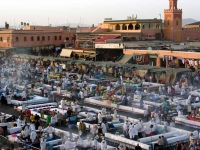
[188, 21]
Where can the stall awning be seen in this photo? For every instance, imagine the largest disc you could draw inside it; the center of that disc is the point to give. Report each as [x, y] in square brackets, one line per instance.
[66, 53]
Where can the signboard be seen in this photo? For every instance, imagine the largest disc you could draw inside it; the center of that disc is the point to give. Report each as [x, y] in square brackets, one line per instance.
[5, 41]
[110, 46]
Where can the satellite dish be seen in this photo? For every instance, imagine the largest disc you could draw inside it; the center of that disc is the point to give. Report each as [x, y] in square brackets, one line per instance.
[149, 48]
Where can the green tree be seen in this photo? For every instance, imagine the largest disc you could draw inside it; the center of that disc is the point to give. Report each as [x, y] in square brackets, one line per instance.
[6, 25]
[22, 23]
[92, 25]
[27, 24]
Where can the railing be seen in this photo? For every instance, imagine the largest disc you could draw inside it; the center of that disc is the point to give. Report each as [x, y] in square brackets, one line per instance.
[6, 143]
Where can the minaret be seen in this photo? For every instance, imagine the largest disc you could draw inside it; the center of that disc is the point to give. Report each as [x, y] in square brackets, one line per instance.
[173, 22]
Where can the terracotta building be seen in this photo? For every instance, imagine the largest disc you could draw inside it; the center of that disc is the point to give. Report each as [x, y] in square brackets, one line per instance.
[37, 37]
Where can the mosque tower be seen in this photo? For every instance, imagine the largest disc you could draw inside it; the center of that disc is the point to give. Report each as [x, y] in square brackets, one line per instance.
[173, 22]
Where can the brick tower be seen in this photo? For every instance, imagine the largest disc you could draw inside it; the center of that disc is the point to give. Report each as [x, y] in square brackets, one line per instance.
[173, 22]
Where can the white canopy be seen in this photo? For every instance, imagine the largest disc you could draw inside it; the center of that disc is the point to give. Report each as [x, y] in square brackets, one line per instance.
[66, 52]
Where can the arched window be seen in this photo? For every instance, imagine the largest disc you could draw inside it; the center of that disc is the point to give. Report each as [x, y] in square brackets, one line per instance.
[124, 27]
[157, 26]
[137, 27]
[168, 22]
[177, 22]
[130, 27]
[143, 26]
[117, 27]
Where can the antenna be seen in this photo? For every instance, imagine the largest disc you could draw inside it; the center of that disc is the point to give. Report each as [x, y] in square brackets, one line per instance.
[160, 16]
[80, 22]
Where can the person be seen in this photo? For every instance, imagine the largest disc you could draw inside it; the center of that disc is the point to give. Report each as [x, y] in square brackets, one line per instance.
[79, 142]
[99, 117]
[125, 100]
[183, 146]
[50, 129]
[27, 130]
[37, 124]
[141, 103]
[197, 145]
[81, 126]
[103, 145]
[197, 99]
[192, 144]
[3, 120]
[148, 114]
[140, 124]
[68, 145]
[95, 144]
[3, 99]
[23, 133]
[23, 95]
[89, 116]
[188, 101]
[87, 143]
[121, 147]
[33, 136]
[103, 111]
[191, 137]
[54, 120]
[165, 141]
[32, 118]
[115, 114]
[62, 102]
[125, 129]
[160, 141]
[177, 146]
[103, 126]
[81, 96]
[42, 144]
[37, 117]
[132, 132]
[69, 113]
[138, 147]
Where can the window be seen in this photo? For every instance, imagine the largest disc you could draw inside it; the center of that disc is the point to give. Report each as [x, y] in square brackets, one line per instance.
[59, 37]
[1, 39]
[137, 27]
[32, 38]
[130, 27]
[177, 22]
[67, 38]
[16, 39]
[25, 39]
[43, 38]
[168, 22]
[55, 38]
[38, 38]
[124, 27]
[48, 38]
[117, 27]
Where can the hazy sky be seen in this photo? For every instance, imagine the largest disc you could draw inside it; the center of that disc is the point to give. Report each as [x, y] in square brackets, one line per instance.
[90, 11]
